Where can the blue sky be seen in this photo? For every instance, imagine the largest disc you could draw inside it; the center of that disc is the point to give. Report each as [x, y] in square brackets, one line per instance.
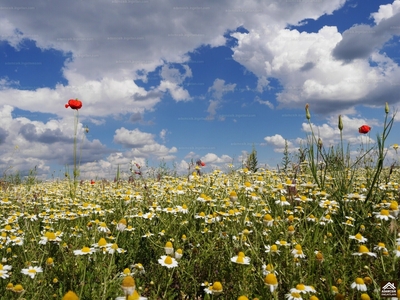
[186, 80]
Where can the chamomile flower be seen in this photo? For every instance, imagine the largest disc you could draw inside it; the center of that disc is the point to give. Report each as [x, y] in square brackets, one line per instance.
[271, 281]
[298, 251]
[303, 289]
[380, 247]
[359, 285]
[70, 295]
[293, 296]
[359, 238]
[215, 289]
[241, 259]
[32, 271]
[272, 249]
[135, 296]
[168, 261]
[363, 250]
[85, 251]
[4, 271]
[169, 249]
[397, 251]
[383, 215]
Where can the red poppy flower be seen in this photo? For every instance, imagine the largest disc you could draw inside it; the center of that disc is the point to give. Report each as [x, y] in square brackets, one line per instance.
[74, 104]
[92, 181]
[364, 129]
[203, 164]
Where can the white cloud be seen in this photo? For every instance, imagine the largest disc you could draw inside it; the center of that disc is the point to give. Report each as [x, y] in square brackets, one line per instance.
[218, 90]
[386, 11]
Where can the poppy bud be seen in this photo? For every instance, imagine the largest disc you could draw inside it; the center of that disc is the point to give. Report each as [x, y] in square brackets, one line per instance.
[308, 116]
[340, 125]
[386, 108]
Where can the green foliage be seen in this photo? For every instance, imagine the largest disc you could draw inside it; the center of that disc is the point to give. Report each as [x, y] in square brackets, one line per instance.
[251, 161]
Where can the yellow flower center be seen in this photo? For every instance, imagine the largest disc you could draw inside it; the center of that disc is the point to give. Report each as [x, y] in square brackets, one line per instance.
[240, 259]
[50, 235]
[300, 287]
[85, 250]
[295, 295]
[274, 248]
[168, 245]
[179, 251]
[217, 286]
[363, 249]
[381, 245]
[168, 260]
[358, 236]
[126, 271]
[33, 271]
[128, 281]
[384, 212]
[298, 247]
[269, 267]
[102, 242]
[271, 279]
[359, 280]
[268, 217]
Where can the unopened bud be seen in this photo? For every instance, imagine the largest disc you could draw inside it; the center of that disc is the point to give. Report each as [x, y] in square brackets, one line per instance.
[386, 108]
[320, 143]
[308, 116]
[340, 125]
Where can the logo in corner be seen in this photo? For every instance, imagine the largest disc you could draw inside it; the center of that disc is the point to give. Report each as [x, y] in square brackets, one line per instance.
[388, 289]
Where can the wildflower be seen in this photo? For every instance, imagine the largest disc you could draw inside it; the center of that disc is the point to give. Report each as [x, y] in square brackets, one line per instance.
[359, 238]
[18, 288]
[282, 201]
[364, 129]
[395, 146]
[84, 251]
[241, 259]
[233, 196]
[103, 227]
[74, 104]
[168, 261]
[178, 254]
[169, 249]
[359, 285]
[114, 248]
[282, 243]
[4, 271]
[298, 252]
[128, 285]
[380, 247]
[50, 237]
[365, 296]
[397, 252]
[32, 271]
[121, 225]
[271, 281]
[135, 296]
[242, 298]
[303, 289]
[272, 249]
[268, 269]
[70, 295]
[215, 289]
[363, 250]
[383, 215]
[50, 262]
[293, 296]
[319, 256]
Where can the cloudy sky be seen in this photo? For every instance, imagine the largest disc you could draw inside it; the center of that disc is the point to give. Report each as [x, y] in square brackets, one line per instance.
[180, 80]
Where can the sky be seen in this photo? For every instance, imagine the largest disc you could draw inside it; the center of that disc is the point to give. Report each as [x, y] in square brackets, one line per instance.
[167, 82]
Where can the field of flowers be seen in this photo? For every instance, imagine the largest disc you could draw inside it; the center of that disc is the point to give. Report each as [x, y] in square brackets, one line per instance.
[324, 227]
[259, 235]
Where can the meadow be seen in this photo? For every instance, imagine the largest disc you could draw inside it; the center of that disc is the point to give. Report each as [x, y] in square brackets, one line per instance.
[323, 226]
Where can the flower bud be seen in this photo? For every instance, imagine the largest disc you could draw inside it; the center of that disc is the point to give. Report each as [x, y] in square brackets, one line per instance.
[320, 143]
[340, 125]
[386, 108]
[308, 116]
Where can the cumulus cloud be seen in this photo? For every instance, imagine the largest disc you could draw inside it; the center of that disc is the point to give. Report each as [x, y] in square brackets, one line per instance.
[308, 72]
